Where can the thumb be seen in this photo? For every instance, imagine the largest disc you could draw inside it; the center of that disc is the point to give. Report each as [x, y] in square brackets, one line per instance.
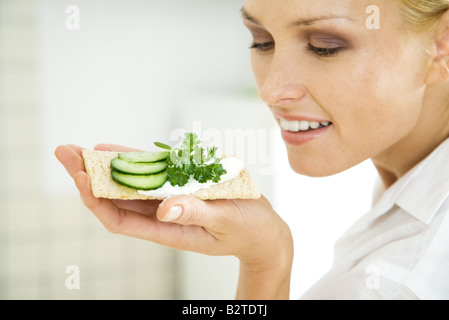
[187, 210]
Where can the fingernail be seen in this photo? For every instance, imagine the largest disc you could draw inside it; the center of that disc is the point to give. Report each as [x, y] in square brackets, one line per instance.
[173, 214]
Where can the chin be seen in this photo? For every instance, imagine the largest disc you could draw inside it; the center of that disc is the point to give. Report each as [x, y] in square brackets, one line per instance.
[313, 172]
[314, 167]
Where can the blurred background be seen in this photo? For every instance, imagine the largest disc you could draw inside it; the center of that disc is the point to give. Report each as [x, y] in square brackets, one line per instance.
[133, 72]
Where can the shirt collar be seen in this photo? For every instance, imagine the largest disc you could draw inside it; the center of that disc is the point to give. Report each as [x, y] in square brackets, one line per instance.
[422, 191]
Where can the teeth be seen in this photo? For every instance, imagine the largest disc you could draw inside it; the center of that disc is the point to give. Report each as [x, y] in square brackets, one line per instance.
[293, 125]
[296, 126]
[314, 125]
[303, 125]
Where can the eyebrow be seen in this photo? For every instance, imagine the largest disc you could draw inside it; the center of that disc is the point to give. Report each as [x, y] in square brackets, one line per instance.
[299, 22]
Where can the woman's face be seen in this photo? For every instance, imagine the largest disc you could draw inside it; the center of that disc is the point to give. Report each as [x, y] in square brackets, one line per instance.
[341, 92]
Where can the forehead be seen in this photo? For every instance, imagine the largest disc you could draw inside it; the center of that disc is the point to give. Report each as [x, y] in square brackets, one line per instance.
[283, 12]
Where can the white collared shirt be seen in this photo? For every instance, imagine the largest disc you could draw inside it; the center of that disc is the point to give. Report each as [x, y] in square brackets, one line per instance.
[400, 249]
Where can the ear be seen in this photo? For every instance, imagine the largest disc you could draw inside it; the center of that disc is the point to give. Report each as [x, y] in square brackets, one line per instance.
[439, 68]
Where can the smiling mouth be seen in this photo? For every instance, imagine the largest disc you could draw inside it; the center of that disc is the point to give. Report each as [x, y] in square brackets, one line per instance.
[303, 126]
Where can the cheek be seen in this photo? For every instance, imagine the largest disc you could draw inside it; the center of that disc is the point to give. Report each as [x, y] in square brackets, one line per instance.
[373, 101]
[371, 108]
[260, 66]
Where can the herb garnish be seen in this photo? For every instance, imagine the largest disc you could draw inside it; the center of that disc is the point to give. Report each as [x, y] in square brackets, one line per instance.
[192, 160]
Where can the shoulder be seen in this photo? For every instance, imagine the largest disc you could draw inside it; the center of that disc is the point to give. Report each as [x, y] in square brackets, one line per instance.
[396, 256]
[415, 263]
[429, 278]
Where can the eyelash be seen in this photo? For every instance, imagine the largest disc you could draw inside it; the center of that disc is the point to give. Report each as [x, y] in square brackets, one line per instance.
[265, 47]
[262, 47]
[323, 52]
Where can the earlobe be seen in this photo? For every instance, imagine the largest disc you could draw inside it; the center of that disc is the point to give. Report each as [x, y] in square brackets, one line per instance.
[439, 69]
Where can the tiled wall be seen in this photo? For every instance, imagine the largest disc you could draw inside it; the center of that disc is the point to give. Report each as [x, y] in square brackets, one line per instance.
[41, 234]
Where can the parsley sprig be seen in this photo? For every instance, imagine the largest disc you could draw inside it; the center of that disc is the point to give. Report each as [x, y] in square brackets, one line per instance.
[192, 160]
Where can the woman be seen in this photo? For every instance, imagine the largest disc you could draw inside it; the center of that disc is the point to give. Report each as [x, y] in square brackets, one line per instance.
[342, 92]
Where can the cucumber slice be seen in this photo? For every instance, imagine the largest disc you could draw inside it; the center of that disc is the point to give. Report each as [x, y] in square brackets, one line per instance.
[140, 157]
[148, 182]
[138, 168]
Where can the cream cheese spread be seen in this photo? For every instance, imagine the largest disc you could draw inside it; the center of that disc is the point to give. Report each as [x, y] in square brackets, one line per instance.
[233, 167]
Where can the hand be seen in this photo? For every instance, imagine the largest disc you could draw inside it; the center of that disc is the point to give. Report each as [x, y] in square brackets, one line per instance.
[248, 229]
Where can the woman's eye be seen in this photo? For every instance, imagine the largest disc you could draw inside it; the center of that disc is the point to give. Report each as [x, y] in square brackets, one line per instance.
[324, 52]
[266, 47]
[263, 47]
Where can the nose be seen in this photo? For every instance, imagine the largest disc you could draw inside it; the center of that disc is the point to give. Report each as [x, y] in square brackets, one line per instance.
[282, 84]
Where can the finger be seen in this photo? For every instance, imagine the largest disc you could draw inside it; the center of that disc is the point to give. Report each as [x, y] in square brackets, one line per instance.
[114, 147]
[188, 210]
[214, 215]
[77, 149]
[115, 219]
[146, 207]
[70, 157]
[82, 182]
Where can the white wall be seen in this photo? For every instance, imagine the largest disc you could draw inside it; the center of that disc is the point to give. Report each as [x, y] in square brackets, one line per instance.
[118, 77]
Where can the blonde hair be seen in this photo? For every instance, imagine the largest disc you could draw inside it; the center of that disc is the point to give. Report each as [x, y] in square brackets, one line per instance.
[423, 15]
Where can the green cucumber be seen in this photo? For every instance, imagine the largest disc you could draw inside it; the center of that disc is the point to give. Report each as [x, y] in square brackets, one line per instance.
[147, 182]
[137, 168]
[140, 157]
